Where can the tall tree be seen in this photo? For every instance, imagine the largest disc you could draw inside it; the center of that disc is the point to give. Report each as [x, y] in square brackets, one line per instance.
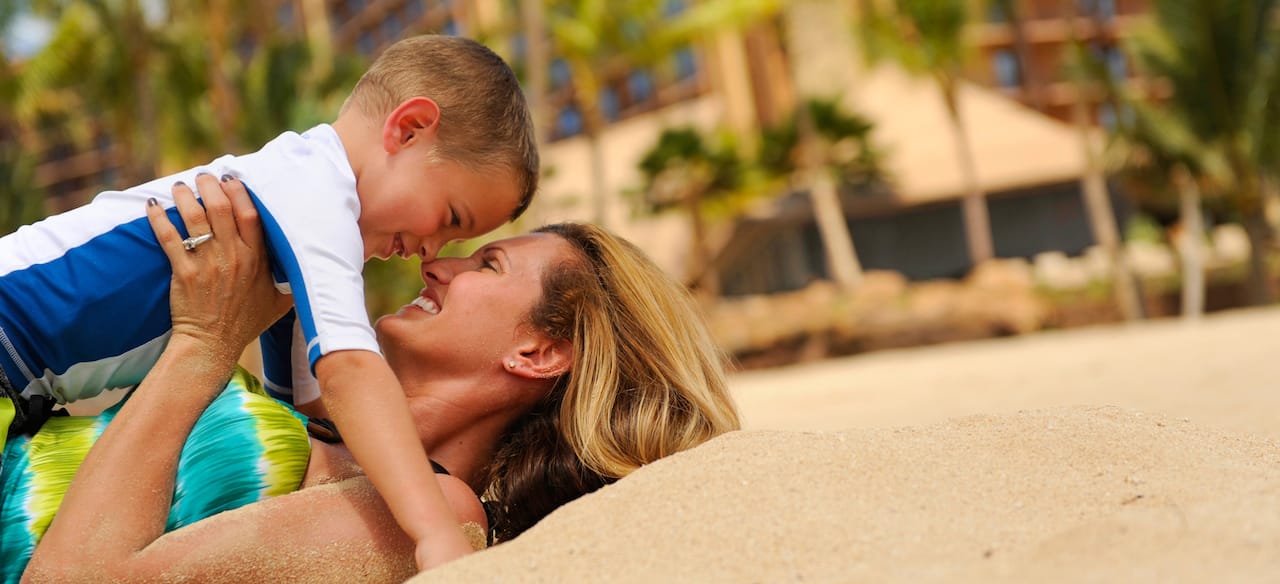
[599, 40]
[1093, 183]
[926, 37]
[1012, 12]
[825, 148]
[102, 56]
[687, 171]
[21, 202]
[1221, 61]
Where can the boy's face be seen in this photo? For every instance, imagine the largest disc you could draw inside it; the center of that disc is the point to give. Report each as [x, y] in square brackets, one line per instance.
[417, 207]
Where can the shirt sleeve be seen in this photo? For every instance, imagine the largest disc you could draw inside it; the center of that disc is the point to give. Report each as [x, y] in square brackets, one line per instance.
[318, 255]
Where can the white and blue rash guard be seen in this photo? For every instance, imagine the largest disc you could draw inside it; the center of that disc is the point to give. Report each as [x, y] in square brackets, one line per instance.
[84, 295]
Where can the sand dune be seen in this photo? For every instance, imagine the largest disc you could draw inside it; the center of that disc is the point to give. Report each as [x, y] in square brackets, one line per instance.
[1182, 490]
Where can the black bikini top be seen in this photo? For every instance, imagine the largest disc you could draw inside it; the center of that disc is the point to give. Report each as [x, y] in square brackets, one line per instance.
[324, 430]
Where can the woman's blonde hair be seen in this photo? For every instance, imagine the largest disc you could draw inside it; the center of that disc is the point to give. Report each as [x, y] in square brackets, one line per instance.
[647, 380]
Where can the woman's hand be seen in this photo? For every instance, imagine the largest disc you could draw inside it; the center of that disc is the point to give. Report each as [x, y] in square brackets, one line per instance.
[221, 294]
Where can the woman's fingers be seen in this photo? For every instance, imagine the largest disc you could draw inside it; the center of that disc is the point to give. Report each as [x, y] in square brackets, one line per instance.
[166, 233]
[217, 209]
[193, 215]
[246, 214]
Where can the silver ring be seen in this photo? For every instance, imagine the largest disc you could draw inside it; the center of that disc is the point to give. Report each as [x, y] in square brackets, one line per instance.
[190, 243]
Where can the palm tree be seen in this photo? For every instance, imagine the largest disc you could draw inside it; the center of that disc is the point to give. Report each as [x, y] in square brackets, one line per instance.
[822, 148]
[100, 61]
[1093, 183]
[1158, 153]
[599, 40]
[686, 171]
[537, 63]
[1219, 58]
[20, 201]
[1012, 11]
[926, 37]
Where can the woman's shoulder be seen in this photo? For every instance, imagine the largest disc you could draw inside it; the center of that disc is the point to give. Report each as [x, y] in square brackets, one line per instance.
[464, 501]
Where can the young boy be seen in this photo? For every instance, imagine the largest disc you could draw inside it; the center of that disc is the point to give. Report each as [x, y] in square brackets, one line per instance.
[434, 144]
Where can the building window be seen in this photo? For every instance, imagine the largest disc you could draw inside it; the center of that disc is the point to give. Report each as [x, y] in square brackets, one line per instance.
[366, 44]
[560, 74]
[686, 64]
[284, 15]
[1103, 10]
[392, 27]
[1007, 69]
[569, 122]
[609, 105]
[640, 86]
[995, 13]
[414, 9]
[1117, 65]
[624, 91]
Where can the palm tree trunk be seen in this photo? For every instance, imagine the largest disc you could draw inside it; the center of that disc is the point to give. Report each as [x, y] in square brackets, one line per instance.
[537, 65]
[222, 97]
[1192, 252]
[1260, 239]
[1097, 200]
[587, 91]
[977, 220]
[707, 287]
[828, 213]
[315, 15]
[141, 163]
[1017, 26]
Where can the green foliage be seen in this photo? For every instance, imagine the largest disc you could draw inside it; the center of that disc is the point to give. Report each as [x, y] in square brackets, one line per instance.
[846, 137]
[20, 201]
[1221, 61]
[1143, 228]
[683, 163]
[925, 37]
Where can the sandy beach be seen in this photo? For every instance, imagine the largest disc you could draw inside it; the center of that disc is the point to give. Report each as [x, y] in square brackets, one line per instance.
[1139, 453]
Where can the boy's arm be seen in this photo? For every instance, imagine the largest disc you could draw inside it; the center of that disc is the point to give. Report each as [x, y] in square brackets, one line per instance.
[366, 402]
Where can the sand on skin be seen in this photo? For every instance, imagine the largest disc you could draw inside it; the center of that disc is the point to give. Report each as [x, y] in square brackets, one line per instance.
[1181, 482]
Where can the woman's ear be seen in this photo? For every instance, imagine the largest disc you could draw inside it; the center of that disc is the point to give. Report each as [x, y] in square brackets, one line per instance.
[415, 120]
[543, 359]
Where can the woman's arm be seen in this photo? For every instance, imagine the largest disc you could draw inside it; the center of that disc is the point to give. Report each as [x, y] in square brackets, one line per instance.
[340, 532]
[221, 297]
[121, 494]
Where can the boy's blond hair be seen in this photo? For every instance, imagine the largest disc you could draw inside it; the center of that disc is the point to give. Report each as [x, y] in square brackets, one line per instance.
[485, 122]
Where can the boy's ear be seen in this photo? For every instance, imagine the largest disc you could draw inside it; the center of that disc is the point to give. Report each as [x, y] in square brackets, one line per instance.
[540, 359]
[415, 120]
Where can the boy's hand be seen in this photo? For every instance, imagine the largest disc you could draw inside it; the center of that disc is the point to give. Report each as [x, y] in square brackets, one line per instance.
[439, 551]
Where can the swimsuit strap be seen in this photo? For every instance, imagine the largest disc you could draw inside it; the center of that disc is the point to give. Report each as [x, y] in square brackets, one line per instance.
[324, 430]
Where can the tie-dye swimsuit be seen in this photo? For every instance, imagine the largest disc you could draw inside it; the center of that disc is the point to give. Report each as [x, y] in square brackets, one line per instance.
[246, 447]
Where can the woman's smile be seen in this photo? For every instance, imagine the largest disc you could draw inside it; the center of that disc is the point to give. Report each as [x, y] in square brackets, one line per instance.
[427, 302]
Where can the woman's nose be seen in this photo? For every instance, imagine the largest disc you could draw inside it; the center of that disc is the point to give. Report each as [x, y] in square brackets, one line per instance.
[436, 271]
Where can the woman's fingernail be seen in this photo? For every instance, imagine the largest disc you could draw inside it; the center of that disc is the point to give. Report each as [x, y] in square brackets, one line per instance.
[227, 178]
[203, 173]
[151, 202]
[179, 184]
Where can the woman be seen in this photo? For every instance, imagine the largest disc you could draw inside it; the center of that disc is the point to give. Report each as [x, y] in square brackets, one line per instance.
[537, 369]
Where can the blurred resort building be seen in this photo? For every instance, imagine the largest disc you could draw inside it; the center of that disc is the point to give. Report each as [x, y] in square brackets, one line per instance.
[1016, 101]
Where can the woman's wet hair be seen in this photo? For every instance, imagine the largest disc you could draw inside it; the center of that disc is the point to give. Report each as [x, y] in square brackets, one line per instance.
[647, 381]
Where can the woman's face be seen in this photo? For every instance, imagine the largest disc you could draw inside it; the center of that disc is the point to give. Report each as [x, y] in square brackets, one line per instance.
[473, 309]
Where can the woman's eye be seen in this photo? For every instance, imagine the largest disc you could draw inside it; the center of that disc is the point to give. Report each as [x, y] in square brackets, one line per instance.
[454, 219]
[487, 264]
